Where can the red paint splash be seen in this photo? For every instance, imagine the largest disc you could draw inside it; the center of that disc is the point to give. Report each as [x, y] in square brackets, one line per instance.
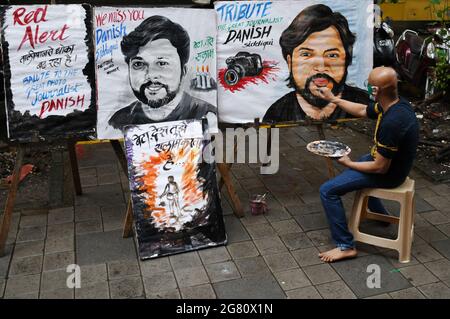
[268, 73]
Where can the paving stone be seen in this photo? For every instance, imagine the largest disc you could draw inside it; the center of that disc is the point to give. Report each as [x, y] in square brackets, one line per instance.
[222, 271]
[20, 285]
[443, 247]
[88, 181]
[307, 256]
[30, 248]
[263, 286]
[286, 227]
[60, 216]
[60, 231]
[113, 216]
[408, 293]
[235, 231]
[242, 250]
[169, 294]
[420, 222]
[270, 245]
[295, 241]
[363, 249]
[31, 295]
[335, 290]
[186, 260]
[304, 293]
[277, 214]
[120, 269]
[88, 212]
[253, 219]
[280, 262]
[445, 229]
[2, 287]
[214, 255]
[418, 275]
[436, 218]
[438, 202]
[425, 253]
[54, 279]
[320, 237]
[104, 195]
[430, 234]
[441, 189]
[93, 273]
[292, 279]
[198, 292]
[252, 266]
[58, 260]
[56, 245]
[435, 291]
[89, 226]
[354, 273]
[97, 248]
[313, 221]
[381, 296]
[63, 293]
[440, 268]
[424, 192]
[33, 220]
[31, 234]
[26, 266]
[108, 179]
[192, 276]
[154, 266]
[163, 281]
[260, 231]
[319, 274]
[96, 290]
[128, 287]
[392, 256]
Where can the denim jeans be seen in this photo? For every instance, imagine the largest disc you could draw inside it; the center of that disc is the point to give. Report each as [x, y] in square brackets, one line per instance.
[331, 192]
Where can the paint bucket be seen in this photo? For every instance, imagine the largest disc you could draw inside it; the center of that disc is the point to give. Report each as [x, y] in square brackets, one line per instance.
[258, 205]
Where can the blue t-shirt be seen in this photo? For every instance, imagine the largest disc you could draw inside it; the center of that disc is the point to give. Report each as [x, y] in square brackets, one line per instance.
[396, 138]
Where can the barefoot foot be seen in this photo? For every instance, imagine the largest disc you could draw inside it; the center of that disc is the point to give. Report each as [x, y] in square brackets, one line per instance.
[337, 254]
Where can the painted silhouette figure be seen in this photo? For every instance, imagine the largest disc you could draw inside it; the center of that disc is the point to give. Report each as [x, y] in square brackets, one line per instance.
[171, 192]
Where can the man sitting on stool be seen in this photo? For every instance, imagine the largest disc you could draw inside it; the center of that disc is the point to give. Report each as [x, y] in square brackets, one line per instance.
[387, 166]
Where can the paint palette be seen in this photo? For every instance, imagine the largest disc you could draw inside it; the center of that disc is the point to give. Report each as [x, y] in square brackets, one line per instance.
[328, 148]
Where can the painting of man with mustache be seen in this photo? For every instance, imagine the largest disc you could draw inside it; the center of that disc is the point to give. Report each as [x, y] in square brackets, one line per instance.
[156, 53]
[318, 48]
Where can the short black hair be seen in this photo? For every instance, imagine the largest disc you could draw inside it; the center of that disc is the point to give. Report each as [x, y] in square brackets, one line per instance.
[154, 28]
[312, 19]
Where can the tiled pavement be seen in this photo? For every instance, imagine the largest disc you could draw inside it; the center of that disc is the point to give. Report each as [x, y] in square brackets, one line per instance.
[270, 256]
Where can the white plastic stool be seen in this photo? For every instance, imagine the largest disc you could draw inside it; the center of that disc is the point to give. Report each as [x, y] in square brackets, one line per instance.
[404, 194]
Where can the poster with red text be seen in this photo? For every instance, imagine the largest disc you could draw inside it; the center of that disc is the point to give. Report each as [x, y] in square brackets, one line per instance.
[49, 72]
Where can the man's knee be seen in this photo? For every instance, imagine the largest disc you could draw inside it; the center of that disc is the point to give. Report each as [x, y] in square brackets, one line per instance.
[326, 189]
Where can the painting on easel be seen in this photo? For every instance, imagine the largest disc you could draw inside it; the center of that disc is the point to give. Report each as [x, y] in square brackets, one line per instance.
[48, 66]
[176, 204]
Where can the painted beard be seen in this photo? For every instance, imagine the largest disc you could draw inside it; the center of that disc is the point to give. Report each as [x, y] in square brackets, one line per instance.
[170, 95]
[314, 100]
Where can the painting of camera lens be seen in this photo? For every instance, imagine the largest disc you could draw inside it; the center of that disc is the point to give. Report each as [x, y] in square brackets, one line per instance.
[242, 64]
[243, 69]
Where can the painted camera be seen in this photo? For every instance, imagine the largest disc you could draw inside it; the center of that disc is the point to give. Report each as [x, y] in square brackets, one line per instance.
[242, 64]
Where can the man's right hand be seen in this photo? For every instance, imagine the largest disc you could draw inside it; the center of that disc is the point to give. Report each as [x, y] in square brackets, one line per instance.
[324, 93]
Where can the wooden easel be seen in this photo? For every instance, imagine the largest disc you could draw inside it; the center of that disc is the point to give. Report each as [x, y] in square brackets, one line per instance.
[224, 169]
[6, 219]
